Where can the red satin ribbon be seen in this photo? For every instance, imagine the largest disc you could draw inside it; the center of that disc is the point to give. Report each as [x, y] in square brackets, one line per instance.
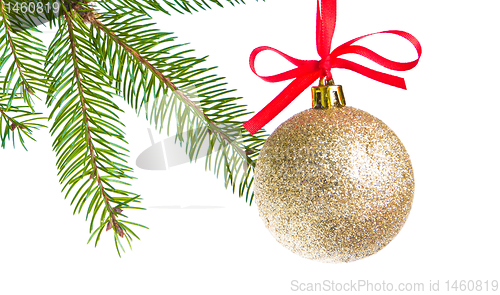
[308, 71]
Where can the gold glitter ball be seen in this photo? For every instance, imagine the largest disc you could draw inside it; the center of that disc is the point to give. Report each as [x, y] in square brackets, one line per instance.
[334, 185]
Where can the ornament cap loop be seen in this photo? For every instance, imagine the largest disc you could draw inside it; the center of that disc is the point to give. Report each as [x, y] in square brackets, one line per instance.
[327, 95]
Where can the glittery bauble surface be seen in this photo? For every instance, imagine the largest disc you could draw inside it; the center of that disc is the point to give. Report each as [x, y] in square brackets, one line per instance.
[334, 185]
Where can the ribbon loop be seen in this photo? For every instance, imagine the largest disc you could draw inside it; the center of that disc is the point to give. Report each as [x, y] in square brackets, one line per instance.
[302, 66]
[308, 71]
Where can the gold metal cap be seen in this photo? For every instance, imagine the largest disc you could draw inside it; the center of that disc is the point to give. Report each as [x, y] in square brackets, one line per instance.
[327, 95]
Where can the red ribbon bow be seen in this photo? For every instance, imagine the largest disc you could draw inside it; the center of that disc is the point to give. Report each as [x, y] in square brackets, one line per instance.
[308, 71]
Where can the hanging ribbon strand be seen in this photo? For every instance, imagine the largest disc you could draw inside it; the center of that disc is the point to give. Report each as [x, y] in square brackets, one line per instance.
[308, 71]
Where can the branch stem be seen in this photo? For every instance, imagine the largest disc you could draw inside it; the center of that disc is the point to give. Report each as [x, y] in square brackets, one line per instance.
[212, 126]
[13, 48]
[95, 172]
[8, 118]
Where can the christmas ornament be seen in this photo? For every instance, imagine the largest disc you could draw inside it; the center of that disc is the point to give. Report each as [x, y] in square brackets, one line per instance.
[332, 183]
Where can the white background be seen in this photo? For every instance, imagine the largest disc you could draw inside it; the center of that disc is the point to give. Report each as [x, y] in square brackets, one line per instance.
[447, 119]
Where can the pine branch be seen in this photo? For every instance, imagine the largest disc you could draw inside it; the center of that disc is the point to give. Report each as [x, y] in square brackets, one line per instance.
[89, 156]
[18, 120]
[182, 6]
[95, 56]
[178, 93]
[24, 76]
[178, 6]
[160, 79]
[17, 62]
[27, 53]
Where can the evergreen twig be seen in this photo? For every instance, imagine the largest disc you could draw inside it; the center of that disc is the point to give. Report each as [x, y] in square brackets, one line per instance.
[23, 77]
[178, 92]
[112, 48]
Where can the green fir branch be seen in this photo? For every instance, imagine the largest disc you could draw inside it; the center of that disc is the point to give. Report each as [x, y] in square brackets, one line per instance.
[17, 121]
[22, 54]
[26, 53]
[88, 139]
[101, 50]
[182, 6]
[178, 6]
[153, 73]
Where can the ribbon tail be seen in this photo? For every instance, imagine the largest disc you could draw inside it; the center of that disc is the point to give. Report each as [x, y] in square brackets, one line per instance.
[280, 102]
[372, 74]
